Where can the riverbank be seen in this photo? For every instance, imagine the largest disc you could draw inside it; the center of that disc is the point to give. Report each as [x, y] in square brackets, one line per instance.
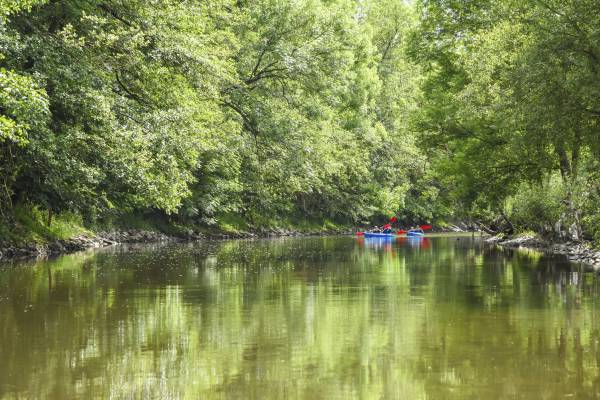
[34, 233]
[581, 252]
[89, 240]
[32, 238]
[9, 251]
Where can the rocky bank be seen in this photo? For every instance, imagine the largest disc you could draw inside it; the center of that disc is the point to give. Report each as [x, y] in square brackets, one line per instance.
[575, 251]
[102, 239]
[82, 242]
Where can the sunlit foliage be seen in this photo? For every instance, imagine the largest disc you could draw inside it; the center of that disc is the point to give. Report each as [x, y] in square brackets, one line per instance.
[268, 110]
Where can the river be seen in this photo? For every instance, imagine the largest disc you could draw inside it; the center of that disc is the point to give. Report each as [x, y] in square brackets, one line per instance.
[306, 318]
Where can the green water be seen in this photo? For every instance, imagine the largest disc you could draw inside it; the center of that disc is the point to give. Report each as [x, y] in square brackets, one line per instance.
[310, 318]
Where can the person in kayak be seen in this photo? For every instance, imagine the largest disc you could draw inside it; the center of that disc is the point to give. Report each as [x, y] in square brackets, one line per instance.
[416, 229]
[387, 228]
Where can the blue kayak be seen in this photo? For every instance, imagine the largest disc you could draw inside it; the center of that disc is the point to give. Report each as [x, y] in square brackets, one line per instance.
[379, 235]
[391, 235]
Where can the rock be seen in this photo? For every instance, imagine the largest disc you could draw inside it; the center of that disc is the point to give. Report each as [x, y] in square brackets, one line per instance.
[494, 239]
[56, 247]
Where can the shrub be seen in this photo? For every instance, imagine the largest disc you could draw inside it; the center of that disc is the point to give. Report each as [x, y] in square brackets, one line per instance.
[537, 207]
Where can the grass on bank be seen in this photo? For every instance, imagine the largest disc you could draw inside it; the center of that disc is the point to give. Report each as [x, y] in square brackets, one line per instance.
[152, 222]
[234, 223]
[30, 225]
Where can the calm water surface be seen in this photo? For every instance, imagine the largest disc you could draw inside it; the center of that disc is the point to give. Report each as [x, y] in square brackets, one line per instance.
[309, 318]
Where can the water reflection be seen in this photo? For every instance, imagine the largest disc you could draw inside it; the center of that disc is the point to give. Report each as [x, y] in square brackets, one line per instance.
[392, 243]
[300, 318]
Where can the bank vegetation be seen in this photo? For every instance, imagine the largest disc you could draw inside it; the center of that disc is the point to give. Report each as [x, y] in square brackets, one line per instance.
[242, 115]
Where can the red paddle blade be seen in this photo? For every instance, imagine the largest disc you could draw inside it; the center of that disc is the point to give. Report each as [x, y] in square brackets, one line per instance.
[401, 232]
[360, 233]
[425, 227]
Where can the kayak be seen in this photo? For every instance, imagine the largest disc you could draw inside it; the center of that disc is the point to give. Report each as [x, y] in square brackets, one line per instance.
[379, 235]
[391, 235]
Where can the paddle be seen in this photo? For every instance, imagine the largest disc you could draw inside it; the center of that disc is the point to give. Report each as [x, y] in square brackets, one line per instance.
[425, 227]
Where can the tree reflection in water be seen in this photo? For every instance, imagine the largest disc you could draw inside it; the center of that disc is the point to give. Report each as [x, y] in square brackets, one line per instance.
[300, 318]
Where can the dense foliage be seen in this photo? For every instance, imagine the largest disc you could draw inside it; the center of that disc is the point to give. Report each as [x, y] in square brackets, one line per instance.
[266, 112]
[512, 107]
[262, 111]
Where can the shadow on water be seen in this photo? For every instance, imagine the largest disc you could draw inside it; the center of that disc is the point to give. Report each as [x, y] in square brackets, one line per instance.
[336, 317]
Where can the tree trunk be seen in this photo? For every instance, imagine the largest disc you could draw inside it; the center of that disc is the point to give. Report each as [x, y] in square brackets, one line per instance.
[486, 229]
[575, 227]
[568, 171]
[511, 227]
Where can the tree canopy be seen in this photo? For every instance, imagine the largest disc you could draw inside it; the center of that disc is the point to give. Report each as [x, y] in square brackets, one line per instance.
[271, 110]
